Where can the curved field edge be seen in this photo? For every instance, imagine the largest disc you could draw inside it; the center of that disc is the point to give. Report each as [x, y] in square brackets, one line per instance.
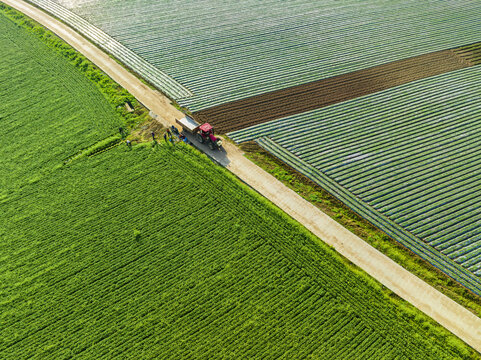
[128, 58]
[340, 212]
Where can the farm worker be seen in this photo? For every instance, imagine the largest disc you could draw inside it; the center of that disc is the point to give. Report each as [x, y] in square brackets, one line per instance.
[128, 143]
[153, 135]
[165, 137]
[169, 133]
[174, 130]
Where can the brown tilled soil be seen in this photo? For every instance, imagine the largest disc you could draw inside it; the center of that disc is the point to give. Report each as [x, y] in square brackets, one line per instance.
[296, 99]
[470, 53]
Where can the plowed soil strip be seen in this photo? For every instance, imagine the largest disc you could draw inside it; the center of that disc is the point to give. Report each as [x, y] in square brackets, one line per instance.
[297, 99]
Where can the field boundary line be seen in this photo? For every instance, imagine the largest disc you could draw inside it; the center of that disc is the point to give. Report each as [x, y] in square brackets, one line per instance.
[433, 303]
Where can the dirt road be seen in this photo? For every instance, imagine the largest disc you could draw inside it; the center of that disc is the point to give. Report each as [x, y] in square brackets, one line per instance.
[445, 311]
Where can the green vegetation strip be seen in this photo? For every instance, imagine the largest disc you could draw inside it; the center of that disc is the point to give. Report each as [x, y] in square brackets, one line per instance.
[231, 50]
[97, 148]
[471, 53]
[405, 158]
[154, 252]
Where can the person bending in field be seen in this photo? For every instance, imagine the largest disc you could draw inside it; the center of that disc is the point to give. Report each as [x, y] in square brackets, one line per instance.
[174, 130]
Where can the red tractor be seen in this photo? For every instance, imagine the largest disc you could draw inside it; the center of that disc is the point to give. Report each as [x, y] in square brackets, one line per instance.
[205, 134]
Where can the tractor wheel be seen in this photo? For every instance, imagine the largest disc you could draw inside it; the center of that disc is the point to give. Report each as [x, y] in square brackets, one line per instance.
[199, 138]
[212, 145]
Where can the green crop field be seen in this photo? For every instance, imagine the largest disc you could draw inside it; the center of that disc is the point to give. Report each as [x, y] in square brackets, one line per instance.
[142, 254]
[229, 50]
[406, 159]
[43, 99]
[155, 252]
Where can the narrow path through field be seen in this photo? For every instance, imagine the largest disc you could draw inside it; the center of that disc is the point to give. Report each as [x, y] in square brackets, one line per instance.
[445, 311]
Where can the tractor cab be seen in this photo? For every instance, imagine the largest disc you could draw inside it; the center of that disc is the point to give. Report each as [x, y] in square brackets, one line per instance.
[206, 130]
[205, 134]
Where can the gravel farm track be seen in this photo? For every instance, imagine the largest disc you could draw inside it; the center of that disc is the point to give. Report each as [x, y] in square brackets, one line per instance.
[439, 307]
[258, 109]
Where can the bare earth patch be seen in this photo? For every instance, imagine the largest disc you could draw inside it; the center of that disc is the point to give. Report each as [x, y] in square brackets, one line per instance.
[297, 99]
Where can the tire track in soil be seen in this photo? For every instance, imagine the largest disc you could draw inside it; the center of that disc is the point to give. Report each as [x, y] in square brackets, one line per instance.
[258, 109]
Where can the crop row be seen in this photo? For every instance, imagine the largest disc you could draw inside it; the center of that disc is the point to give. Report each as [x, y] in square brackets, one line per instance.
[406, 158]
[228, 51]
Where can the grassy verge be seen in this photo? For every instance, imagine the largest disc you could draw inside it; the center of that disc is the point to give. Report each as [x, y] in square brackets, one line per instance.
[362, 228]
